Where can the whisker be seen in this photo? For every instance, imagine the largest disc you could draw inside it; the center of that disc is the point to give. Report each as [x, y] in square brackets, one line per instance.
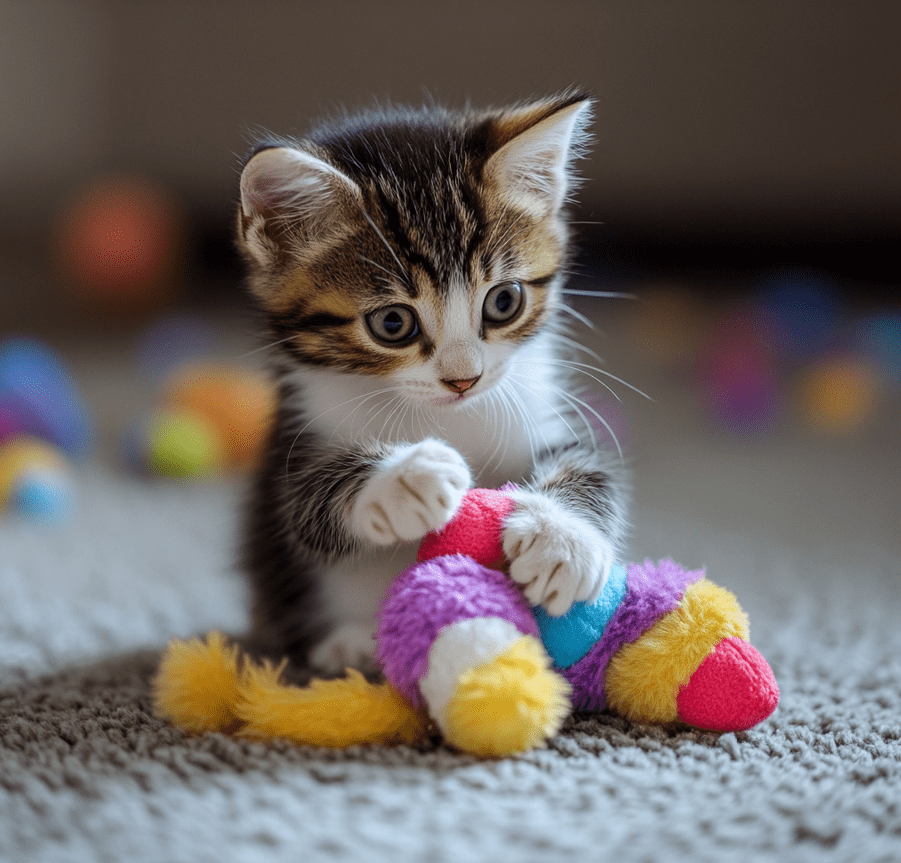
[357, 407]
[580, 368]
[606, 374]
[264, 348]
[571, 398]
[525, 415]
[499, 424]
[509, 417]
[399, 410]
[328, 411]
[613, 295]
[527, 381]
[577, 315]
[389, 406]
[379, 266]
[578, 346]
[381, 236]
[563, 364]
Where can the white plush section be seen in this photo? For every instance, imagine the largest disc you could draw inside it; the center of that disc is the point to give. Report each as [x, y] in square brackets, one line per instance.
[458, 648]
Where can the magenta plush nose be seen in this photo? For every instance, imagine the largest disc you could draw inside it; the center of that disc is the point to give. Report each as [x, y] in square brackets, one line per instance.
[732, 690]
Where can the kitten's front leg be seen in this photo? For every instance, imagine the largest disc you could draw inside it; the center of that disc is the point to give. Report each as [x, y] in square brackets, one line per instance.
[567, 529]
[410, 493]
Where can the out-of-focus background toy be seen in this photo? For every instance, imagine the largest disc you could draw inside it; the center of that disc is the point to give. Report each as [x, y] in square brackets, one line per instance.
[209, 417]
[121, 246]
[786, 350]
[44, 425]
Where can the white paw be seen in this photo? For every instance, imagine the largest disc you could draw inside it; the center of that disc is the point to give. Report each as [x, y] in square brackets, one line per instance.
[558, 558]
[351, 645]
[413, 492]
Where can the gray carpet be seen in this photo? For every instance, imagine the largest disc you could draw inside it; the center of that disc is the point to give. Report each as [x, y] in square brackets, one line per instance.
[806, 532]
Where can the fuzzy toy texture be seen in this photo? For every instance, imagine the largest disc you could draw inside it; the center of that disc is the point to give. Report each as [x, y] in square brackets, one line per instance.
[651, 591]
[430, 595]
[644, 676]
[732, 690]
[475, 530]
[209, 685]
[457, 641]
[511, 704]
[570, 637]
[197, 684]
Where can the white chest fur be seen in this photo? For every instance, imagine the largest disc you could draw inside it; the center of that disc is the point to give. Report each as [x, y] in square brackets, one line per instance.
[498, 433]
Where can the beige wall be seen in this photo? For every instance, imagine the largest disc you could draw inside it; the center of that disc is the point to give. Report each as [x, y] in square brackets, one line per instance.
[707, 109]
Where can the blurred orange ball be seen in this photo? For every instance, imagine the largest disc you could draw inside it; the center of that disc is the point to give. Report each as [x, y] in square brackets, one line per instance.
[121, 245]
[839, 395]
[238, 402]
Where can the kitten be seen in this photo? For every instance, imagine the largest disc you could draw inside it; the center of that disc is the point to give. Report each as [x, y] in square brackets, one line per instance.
[410, 265]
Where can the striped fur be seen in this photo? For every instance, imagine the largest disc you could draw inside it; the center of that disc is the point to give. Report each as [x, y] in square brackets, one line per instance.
[426, 210]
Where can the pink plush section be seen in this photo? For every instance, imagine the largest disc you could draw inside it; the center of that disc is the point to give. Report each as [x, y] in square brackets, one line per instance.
[475, 529]
[428, 596]
[733, 689]
[651, 591]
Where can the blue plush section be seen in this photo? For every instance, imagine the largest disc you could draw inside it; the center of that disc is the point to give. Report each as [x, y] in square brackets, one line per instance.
[568, 638]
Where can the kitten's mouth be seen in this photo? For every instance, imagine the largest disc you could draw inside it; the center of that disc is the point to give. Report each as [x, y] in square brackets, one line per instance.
[459, 399]
[455, 399]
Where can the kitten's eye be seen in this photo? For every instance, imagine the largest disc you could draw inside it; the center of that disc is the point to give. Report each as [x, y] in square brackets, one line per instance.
[393, 324]
[502, 302]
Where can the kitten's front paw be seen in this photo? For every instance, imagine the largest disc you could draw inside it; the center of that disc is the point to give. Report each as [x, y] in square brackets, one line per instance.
[414, 492]
[557, 557]
[351, 645]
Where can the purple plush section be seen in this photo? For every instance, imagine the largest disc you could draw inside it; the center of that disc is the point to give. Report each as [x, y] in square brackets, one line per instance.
[651, 591]
[428, 596]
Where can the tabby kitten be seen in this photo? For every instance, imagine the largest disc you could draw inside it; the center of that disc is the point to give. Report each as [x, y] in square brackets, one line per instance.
[410, 265]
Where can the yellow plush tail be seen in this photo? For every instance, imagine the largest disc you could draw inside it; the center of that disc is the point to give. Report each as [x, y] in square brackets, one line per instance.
[209, 686]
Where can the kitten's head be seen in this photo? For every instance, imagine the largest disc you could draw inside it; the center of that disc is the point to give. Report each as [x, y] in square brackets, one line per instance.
[420, 246]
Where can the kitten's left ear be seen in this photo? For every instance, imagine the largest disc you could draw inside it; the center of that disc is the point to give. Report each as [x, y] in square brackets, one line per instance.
[538, 143]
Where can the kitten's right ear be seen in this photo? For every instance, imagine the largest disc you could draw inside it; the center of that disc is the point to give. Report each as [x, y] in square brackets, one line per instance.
[290, 199]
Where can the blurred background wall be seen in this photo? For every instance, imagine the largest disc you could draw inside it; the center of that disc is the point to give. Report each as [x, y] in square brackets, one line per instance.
[727, 133]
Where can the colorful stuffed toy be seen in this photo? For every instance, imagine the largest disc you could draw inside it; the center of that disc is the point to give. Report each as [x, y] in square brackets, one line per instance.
[459, 646]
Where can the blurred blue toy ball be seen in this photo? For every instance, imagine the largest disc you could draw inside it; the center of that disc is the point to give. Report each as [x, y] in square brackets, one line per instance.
[40, 495]
[801, 310]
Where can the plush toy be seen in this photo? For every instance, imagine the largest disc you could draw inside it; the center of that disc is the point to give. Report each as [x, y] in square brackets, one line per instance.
[459, 646]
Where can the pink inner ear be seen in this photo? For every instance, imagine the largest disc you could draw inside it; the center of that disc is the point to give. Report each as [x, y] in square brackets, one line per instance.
[475, 530]
[732, 690]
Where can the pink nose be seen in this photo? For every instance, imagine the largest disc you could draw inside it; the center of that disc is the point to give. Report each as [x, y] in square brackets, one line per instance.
[462, 385]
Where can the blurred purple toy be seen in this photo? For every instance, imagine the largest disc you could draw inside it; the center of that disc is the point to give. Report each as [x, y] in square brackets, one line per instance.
[39, 398]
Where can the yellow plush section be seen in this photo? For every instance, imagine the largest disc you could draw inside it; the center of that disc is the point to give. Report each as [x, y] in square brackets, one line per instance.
[644, 677]
[332, 713]
[508, 705]
[197, 684]
[208, 686]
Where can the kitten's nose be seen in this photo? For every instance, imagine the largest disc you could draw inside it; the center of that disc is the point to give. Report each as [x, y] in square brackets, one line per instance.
[462, 385]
